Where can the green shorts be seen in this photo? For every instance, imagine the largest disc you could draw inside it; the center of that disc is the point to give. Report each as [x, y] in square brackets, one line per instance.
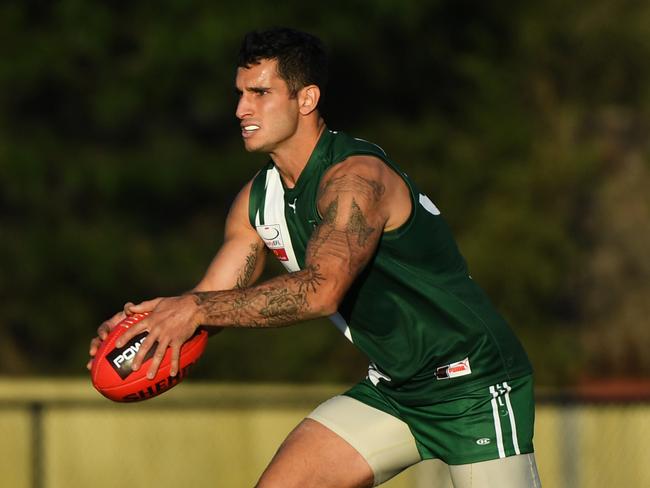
[488, 423]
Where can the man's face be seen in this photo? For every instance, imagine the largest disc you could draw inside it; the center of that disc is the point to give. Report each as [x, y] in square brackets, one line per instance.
[268, 114]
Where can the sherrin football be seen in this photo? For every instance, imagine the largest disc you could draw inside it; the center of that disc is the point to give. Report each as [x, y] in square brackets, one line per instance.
[111, 371]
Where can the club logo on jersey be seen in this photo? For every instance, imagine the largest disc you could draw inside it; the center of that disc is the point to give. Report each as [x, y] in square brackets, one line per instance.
[454, 370]
[293, 205]
[272, 237]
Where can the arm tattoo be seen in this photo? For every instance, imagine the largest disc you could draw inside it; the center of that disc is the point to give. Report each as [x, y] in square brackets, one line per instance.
[281, 301]
[331, 212]
[327, 233]
[345, 240]
[340, 241]
[249, 267]
[357, 225]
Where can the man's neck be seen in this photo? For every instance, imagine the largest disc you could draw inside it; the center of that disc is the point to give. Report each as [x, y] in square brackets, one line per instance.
[292, 157]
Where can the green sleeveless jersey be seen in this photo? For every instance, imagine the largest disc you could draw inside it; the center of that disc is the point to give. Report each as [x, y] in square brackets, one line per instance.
[429, 331]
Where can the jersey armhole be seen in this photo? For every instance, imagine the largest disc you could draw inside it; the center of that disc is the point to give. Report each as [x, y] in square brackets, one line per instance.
[402, 229]
[255, 197]
[406, 225]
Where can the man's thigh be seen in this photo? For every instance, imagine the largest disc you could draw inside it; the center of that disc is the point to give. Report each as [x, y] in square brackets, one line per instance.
[510, 472]
[343, 443]
[314, 456]
[384, 441]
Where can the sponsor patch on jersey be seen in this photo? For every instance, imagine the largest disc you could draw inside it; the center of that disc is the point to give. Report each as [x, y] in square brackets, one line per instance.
[454, 370]
[272, 237]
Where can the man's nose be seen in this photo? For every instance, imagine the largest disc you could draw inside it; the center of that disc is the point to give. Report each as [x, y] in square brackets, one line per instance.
[244, 107]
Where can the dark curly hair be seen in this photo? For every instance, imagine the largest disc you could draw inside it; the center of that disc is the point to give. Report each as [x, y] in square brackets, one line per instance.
[301, 57]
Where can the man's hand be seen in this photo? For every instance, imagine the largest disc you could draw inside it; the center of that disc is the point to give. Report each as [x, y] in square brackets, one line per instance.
[172, 322]
[108, 325]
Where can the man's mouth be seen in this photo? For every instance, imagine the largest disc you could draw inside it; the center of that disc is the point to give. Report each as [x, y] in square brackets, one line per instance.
[249, 129]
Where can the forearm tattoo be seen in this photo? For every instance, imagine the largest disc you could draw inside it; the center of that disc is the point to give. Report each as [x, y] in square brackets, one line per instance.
[281, 301]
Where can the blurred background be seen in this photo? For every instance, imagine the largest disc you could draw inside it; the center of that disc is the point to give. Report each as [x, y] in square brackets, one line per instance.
[526, 123]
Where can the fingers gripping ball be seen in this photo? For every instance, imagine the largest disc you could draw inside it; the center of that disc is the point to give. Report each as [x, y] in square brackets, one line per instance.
[111, 371]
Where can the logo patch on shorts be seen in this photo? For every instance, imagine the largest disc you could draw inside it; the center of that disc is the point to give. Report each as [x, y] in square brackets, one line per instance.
[484, 441]
[454, 370]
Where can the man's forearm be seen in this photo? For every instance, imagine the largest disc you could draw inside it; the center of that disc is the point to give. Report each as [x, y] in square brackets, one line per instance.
[282, 300]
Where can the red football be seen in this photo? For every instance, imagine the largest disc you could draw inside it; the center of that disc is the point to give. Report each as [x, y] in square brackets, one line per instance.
[113, 377]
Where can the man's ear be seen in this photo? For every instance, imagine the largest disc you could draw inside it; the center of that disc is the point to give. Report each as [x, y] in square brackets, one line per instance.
[308, 98]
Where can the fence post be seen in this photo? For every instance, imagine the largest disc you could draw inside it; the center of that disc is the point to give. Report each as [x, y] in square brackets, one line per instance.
[36, 409]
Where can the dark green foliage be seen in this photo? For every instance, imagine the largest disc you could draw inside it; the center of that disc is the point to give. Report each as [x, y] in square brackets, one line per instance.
[120, 154]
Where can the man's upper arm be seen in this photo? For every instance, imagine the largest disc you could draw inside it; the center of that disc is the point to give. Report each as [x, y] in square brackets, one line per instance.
[352, 202]
[240, 260]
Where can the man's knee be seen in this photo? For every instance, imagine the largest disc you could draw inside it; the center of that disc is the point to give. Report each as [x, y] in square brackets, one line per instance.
[510, 472]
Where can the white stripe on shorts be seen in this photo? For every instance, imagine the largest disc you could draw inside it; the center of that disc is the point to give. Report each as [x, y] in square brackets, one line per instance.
[513, 424]
[496, 391]
[497, 422]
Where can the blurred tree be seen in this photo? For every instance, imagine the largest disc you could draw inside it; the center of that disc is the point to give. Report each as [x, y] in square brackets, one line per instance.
[526, 123]
[615, 284]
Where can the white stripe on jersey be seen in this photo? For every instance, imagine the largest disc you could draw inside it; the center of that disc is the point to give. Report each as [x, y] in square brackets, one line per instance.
[274, 215]
[340, 323]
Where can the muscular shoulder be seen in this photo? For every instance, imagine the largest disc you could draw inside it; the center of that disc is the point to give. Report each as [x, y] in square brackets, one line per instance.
[362, 174]
[369, 180]
[362, 164]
